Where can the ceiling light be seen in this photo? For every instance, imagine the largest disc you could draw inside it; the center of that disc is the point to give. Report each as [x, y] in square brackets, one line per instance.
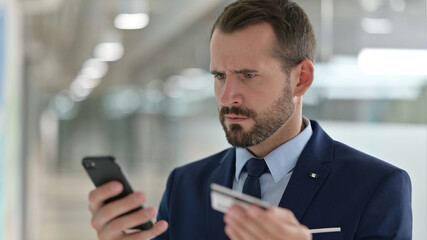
[78, 93]
[376, 25]
[131, 21]
[109, 52]
[87, 83]
[94, 68]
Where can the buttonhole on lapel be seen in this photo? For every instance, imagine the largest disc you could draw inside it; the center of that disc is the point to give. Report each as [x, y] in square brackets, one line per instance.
[313, 175]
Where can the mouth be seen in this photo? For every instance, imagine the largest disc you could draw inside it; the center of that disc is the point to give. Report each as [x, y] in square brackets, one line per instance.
[232, 118]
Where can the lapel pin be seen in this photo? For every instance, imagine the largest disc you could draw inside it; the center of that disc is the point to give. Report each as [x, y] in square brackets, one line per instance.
[314, 175]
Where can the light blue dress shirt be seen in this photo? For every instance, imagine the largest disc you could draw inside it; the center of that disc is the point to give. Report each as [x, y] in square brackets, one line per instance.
[281, 162]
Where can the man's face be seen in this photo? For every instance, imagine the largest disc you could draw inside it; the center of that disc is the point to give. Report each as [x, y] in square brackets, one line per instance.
[253, 93]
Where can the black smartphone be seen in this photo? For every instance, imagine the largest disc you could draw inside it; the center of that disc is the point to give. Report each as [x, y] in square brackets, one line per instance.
[106, 169]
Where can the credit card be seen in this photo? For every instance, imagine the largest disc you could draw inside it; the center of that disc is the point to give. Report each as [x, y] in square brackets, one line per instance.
[222, 198]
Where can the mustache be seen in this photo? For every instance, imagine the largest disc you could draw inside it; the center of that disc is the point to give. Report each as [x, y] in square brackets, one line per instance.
[245, 112]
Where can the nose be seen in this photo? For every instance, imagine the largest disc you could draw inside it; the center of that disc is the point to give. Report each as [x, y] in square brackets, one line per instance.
[229, 92]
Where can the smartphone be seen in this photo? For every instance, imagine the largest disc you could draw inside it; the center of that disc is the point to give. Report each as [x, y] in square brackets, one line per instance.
[106, 169]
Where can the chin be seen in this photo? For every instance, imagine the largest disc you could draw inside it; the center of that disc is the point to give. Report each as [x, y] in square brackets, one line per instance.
[238, 126]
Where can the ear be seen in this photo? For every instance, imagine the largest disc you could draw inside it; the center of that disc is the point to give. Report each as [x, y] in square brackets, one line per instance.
[305, 71]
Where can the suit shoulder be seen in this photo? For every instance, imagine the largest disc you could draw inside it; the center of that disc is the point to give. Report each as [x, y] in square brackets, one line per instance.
[346, 156]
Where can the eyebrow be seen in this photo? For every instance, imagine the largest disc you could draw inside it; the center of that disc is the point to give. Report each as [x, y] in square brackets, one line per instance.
[214, 72]
[245, 70]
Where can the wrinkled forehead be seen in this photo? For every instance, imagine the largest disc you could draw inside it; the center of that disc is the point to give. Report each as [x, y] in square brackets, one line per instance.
[258, 38]
[250, 48]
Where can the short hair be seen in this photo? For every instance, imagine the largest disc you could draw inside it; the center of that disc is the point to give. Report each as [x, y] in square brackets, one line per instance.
[294, 32]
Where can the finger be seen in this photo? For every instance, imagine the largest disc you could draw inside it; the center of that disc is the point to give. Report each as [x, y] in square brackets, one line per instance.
[272, 217]
[236, 232]
[243, 222]
[284, 214]
[229, 231]
[279, 222]
[98, 196]
[299, 232]
[116, 227]
[116, 208]
[243, 225]
[128, 221]
[158, 228]
[271, 223]
[293, 232]
[256, 217]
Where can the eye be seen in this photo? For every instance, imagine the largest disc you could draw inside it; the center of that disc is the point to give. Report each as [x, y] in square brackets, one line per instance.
[219, 76]
[250, 75]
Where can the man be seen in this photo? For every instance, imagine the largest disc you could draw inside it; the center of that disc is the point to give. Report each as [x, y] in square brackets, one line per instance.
[262, 54]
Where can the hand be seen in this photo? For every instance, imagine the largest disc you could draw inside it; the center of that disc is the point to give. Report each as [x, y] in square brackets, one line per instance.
[255, 223]
[105, 218]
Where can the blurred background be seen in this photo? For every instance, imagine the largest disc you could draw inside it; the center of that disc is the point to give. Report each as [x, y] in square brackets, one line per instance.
[130, 78]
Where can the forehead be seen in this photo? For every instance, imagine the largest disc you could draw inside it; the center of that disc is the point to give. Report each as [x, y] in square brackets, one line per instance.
[253, 42]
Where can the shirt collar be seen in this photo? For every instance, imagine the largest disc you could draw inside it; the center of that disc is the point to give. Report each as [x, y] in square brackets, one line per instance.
[281, 160]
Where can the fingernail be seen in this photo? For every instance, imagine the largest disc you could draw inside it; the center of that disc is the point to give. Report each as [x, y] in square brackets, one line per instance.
[138, 197]
[162, 226]
[115, 187]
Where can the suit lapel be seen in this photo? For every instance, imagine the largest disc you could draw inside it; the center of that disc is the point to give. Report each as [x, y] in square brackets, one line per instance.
[222, 175]
[309, 173]
[302, 187]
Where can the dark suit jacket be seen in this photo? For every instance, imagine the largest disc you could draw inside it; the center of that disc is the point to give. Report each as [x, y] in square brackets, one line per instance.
[366, 197]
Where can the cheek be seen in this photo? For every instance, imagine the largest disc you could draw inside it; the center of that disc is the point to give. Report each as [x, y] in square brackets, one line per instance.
[217, 91]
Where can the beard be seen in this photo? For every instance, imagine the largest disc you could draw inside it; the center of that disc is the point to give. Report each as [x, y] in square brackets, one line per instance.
[266, 122]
